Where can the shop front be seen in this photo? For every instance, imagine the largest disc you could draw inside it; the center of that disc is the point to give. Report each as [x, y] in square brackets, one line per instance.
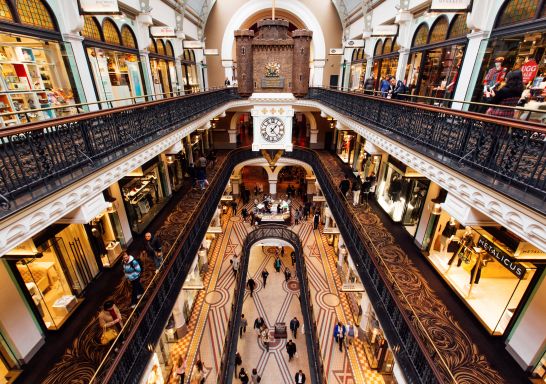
[345, 145]
[163, 68]
[358, 69]
[402, 192]
[436, 57]
[37, 69]
[114, 61]
[9, 366]
[487, 266]
[368, 160]
[385, 60]
[518, 41]
[190, 79]
[144, 193]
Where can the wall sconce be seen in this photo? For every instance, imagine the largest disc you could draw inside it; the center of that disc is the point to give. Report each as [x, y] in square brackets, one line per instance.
[170, 159]
[436, 209]
[332, 125]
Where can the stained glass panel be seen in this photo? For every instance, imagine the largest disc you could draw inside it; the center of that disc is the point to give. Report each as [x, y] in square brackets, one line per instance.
[378, 48]
[35, 13]
[517, 11]
[110, 32]
[387, 46]
[151, 47]
[5, 12]
[421, 35]
[127, 37]
[160, 47]
[169, 49]
[458, 27]
[91, 29]
[396, 46]
[439, 30]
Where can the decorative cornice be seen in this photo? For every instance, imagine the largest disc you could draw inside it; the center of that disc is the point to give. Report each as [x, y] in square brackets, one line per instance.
[512, 215]
[30, 221]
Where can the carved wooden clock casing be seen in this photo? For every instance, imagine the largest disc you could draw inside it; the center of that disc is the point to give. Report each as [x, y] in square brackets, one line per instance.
[272, 129]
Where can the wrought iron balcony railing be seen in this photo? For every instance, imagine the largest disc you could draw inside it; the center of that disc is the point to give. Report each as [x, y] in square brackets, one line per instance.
[504, 154]
[413, 345]
[40, 158]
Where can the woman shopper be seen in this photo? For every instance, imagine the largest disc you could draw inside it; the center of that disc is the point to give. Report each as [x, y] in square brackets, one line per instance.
[508, 94]
[110, 322]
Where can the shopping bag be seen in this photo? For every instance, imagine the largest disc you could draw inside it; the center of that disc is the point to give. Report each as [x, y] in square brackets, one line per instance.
[108, 334]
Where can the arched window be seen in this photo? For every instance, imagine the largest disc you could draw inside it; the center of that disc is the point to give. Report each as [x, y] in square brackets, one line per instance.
[110, 32]
[458, 27]
[5, 11]
[152, 48]
[127, 37]
[378, 48]
[439, 30]
[35, 13]
[91, 28]
[355, 55]
[169, 49]
[160, 47]
[516, 11]
[387, 46]
[360, 53]
[395, 45]
[189, 55]
[421, 35]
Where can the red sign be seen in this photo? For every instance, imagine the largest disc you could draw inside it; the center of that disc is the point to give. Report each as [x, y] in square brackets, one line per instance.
[529, 71]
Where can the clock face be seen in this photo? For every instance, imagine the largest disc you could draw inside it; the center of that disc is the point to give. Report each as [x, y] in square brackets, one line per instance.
[272, 129]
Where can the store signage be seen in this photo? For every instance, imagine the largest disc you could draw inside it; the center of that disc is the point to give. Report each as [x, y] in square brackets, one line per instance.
[529, 70]
[336, 51]
[354, 43]
[449, 5]
[502, 257]
[211, 52]
[162, 31]
[385, 30]
[192, 44]
[97, 7]
[352, 287]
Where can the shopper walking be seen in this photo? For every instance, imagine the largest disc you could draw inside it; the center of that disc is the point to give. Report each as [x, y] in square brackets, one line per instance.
[198, 373]
[316, 219]
[351, 333]
[339, 334]
[152, 245]
[258, 325]
[294, 325]
[293, 257]
[265, 337]
[243, 376]
[238, 361]
[277, 264]
[287, 274]
[251, 284]
[290, 349]
[357, 186]
[180, 370]
[254, 377]
[235, 264]
[345, 185]
[132, 271]
[300, 377]
[265, 274]
[242, 327]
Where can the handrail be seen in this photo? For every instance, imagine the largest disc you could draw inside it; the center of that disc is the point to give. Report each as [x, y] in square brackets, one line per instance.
[505, 121]
[409, 98]
[46, 123]
[154, 300]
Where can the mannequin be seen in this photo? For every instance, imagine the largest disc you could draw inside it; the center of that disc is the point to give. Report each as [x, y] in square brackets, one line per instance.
[495, 76]
[480, 263]
[447, 235]
[464, 252]
[395, 188]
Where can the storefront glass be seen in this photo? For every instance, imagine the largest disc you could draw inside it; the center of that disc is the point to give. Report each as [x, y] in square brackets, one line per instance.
[161, 75]
[36, 74]
[189, 72]
[176, 169]
[116, 74]
[9, 367]
[345, 145]
[525, 52]
[143, 195]
[478, 264]
[402, 195]
[358, 71]
[540, 370]
[106, 236]
[376, 347]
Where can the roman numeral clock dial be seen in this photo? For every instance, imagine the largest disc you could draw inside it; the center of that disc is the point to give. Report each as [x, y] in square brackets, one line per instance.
[272, 129]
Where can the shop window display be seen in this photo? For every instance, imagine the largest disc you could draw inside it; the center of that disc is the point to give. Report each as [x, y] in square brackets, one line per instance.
[481, 268]
[358, 69]
[9, 367]
[34, 75]
[345, 145]
[106, 237]
[540, 370]
[402, 196]
[116, 74]
[376, 347]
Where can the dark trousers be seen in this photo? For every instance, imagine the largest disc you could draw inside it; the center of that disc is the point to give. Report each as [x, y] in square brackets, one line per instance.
[264, 280]
[340, 342]
[241, 331]
[182, 378]
[459, 262]
[136, 290]
[478, 274]
[295, 333]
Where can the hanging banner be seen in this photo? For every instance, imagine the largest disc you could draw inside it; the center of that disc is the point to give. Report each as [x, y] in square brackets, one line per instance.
[192, 44]
[336, 51]
[98, 7]
[529, 70]
[162, 31]
[449, 6]
[385, 30]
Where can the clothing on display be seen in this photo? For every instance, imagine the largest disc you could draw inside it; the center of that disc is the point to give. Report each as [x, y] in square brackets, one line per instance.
[395, 187]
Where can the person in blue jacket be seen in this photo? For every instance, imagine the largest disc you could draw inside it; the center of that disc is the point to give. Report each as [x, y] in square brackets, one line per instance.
[132, 271]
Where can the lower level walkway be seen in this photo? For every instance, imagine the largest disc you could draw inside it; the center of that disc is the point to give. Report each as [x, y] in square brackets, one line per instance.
[275, 302]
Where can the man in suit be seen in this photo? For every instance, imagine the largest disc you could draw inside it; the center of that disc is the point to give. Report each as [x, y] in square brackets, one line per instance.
[300, 377]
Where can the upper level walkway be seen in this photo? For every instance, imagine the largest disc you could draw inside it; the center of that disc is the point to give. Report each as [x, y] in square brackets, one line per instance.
[456, 343]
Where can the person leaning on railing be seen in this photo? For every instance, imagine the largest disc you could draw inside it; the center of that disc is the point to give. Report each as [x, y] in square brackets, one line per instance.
[508, 94]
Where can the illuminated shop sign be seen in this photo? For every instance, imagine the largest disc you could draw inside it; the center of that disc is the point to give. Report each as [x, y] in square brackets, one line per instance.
[502, 257]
